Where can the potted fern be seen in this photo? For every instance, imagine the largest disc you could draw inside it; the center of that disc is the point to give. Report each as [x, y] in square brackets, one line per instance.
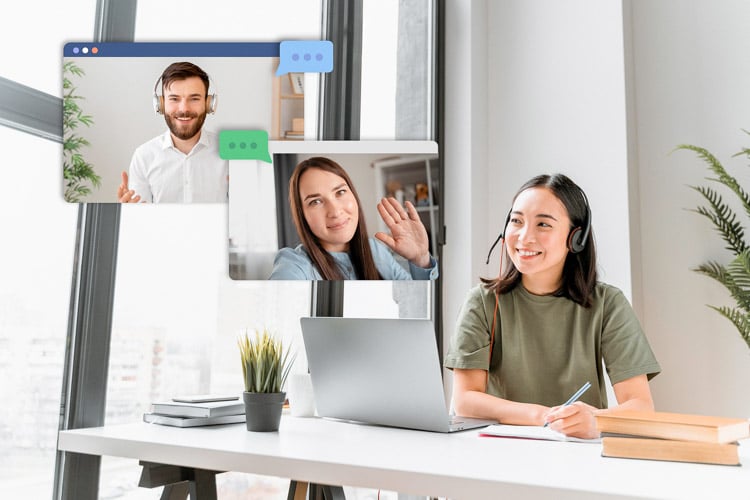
[265, 367]
[735, 275]
[77, 172]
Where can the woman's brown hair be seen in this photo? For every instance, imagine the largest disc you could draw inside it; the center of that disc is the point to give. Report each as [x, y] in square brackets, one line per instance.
[359, 246]
[579, 270]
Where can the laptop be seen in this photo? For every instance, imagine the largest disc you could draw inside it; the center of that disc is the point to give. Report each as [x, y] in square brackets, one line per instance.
[379, 371]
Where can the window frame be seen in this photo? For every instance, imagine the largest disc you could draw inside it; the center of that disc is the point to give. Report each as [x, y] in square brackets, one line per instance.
[95, 259]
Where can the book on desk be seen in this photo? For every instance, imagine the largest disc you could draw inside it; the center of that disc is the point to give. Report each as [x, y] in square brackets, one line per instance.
[680, 426]
[196, 411]
[672, 436]
[155, 418]
[671, 450]
[202, 409]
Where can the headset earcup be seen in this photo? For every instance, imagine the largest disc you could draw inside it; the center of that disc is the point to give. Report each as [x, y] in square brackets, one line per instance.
[211, 104]
[158, 102]
[575, 245]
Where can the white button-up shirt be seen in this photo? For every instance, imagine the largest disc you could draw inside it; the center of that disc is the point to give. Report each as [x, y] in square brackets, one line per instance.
[161, 173]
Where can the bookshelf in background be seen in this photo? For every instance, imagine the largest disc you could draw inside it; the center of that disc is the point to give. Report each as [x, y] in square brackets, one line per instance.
[288, 107]
[413, 179]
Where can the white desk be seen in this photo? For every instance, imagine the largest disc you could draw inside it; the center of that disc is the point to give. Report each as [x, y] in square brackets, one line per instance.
[460, 466]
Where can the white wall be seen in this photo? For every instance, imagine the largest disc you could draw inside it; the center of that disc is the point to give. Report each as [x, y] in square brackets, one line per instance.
[690, 81]
[465, 151]
[541, 91]
[552, 77]
[557, 104]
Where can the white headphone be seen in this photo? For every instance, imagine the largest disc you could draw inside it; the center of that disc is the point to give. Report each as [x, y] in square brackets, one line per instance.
[158, 100]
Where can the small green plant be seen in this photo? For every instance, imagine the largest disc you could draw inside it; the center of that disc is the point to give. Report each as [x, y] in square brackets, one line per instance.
[735, 276]
[265, 364]
[77, 172]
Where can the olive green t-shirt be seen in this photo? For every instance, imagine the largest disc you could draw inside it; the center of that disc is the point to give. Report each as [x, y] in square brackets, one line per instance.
[547, 347]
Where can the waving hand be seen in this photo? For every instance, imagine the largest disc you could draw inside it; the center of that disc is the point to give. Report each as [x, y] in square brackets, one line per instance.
[408, 236]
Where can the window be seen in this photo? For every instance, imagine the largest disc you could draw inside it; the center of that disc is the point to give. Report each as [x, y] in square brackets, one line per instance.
[176, 313]
[388, 299]
[398, 70]
[177, 317]
[32, 38]
[119, 86]
[39, 231]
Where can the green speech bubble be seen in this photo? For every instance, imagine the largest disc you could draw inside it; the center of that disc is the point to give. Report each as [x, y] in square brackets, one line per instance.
[244, 145]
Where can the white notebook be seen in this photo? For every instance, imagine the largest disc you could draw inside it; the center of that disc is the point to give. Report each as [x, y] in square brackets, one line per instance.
[531, 432]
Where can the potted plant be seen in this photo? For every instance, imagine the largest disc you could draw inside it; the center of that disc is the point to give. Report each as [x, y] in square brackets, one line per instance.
[735, 276]
[77, 172]
[265, 366]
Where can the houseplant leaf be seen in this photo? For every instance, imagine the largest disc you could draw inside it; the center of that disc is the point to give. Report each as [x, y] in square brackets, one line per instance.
[734, 276]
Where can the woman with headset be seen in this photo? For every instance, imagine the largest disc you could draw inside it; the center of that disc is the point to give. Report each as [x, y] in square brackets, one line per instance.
[526, 340]
[331, 225]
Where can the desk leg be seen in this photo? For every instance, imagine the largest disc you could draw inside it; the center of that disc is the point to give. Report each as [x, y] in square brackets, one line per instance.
[332, 492]
[177, 491]
[298, 491]
[178, 481]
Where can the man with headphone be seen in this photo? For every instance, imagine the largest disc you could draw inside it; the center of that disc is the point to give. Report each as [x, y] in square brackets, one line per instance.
[182, 165]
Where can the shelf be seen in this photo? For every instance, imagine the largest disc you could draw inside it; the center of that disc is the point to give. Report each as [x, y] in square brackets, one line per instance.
[410, 176]
[286, 107]
[427, 209]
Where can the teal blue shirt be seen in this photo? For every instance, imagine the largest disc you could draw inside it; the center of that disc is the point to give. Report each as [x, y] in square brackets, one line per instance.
[295, 264]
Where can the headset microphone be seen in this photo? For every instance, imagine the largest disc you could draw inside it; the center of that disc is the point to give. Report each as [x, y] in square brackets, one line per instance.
[502, 235]
[494, 245]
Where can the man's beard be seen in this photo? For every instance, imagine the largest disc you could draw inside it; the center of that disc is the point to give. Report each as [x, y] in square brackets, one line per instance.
[179, 130]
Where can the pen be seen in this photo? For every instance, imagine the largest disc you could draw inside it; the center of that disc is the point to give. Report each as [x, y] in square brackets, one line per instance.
[575, 397]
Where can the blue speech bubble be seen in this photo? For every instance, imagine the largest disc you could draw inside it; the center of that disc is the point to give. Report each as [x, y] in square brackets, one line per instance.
[305, 56]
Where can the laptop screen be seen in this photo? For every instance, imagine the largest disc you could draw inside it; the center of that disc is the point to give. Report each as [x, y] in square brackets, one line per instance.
[380, 371]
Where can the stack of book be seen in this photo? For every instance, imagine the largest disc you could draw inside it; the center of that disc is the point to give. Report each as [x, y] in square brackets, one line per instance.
[298, 129]
[672, 436]
[193, 411]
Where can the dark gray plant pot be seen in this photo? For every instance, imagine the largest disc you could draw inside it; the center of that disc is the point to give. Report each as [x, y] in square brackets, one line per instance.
[263, 410]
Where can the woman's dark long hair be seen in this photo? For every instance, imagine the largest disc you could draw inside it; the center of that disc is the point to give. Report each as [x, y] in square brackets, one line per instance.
[579, 270]
[359, 246]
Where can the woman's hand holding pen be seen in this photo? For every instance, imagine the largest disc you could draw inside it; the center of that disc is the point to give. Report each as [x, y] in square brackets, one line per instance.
[575, 420]
[408, 236]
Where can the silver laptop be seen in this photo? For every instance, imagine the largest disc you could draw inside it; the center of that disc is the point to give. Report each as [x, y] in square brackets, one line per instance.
[379, 371]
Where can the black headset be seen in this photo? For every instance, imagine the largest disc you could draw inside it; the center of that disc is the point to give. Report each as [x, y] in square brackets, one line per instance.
[158, 100]
[577, 238]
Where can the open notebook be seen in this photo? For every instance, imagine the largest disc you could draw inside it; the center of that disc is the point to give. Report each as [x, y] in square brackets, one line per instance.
[531, 432]
[379, 371]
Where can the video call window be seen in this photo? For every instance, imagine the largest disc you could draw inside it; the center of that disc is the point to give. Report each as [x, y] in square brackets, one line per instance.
[260, 219]
[120, 118]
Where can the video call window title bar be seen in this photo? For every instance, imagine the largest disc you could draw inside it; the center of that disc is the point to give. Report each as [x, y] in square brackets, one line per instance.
[171, 49]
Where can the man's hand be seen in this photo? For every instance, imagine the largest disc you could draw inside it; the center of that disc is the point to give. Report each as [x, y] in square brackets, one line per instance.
[125, 195]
